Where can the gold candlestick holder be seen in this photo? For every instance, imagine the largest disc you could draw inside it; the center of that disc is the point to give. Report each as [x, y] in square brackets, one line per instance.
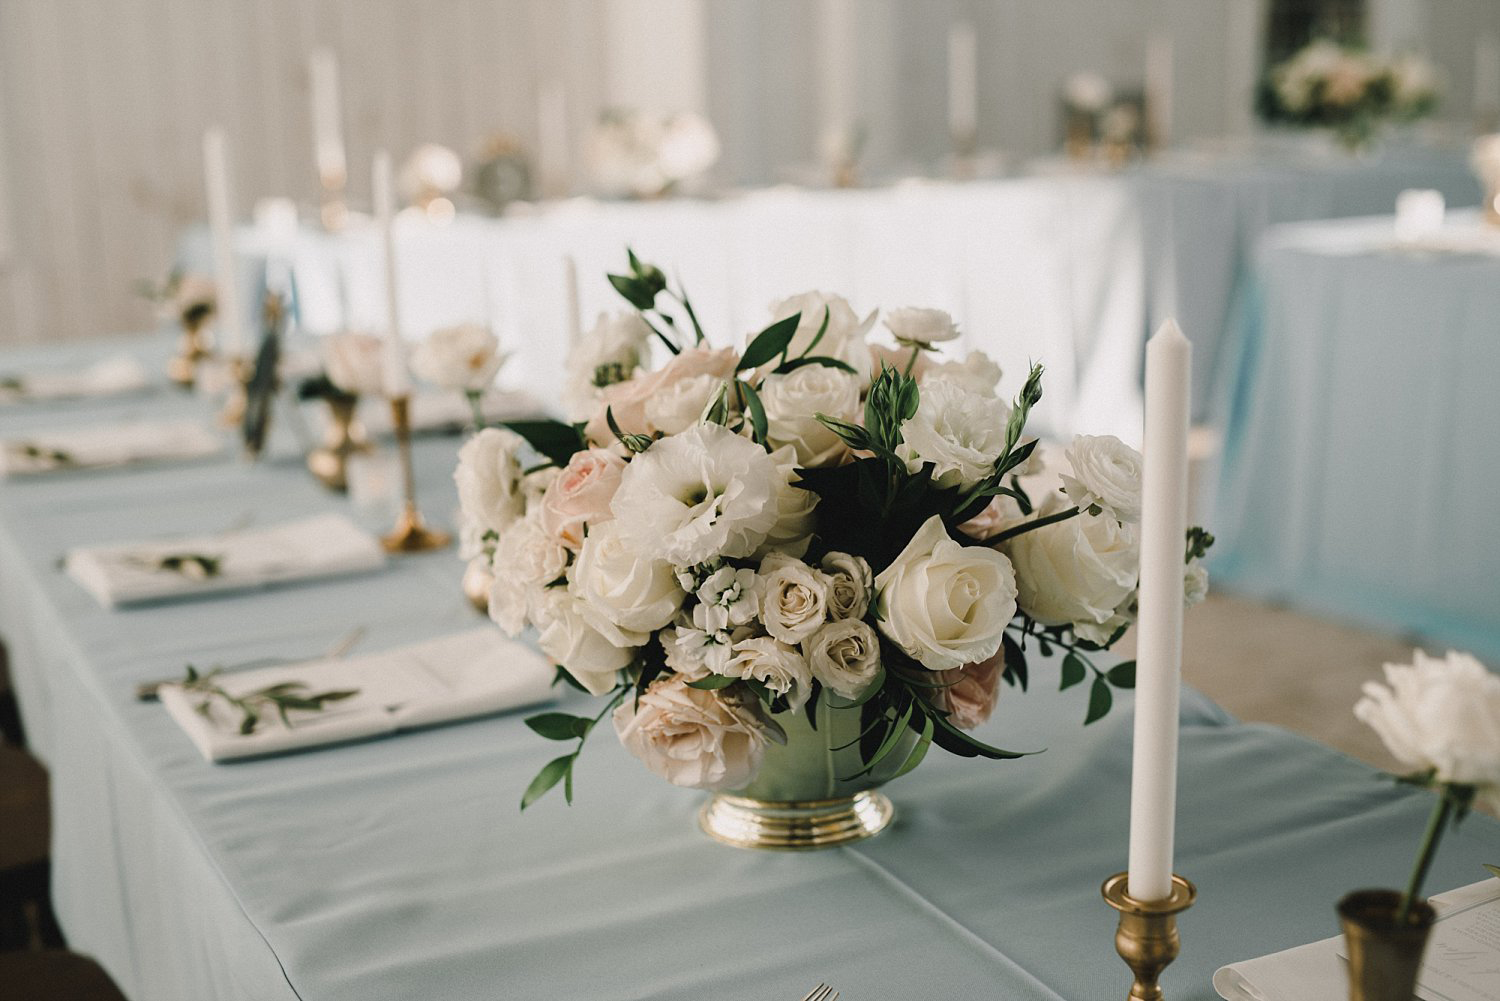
[1147, 937]
[411, 535]
[192, 350]
[238, 369]
[329, 462]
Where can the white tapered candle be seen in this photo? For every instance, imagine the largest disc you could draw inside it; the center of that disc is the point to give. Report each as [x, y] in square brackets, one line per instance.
[1159, 88]
[554, 167]
[1486, 74]
[328, 132]
[575, 308]
[1153, 777]
[221, 232]
[963, 84]
[397, 379]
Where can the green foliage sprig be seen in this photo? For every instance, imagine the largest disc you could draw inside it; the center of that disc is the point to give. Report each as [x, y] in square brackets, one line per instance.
[279, 698]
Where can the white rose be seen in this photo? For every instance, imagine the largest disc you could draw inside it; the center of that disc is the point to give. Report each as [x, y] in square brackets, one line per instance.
[355, 363]
[794, 598]
[571, 637]
[637, 593]
[529, 552]
[943, 604]
[781, 668]
[1441, 714]
[1080, 571]
[795, 506]
[912, 325]
[977, 373]
[844, 656]
[465, 357]
[607, 354]
[678, 406]
[694, 738]
[850, 584]
[489, 478]
[961, 433]
[793, 401]
[1107, 472]
[694, 496]
[845, 337]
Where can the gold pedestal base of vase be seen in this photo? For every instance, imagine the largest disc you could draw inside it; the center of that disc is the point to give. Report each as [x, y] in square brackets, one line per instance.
[329, 462]
[182, 368]
[796, 826]
[1147, 937]
[412, 536]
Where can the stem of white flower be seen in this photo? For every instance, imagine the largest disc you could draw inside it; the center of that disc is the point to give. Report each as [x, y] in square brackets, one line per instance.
[1435, 824]
[911, 362]
[476, 404]
[1051, 519]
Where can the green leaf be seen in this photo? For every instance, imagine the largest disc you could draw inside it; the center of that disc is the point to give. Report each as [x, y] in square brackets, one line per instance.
[712, 683]
[560, 726]
[1015, 662]
[769, 343]
[551, 774]
[554, 439]
[853, 435]
[1074, 670]
[1122, 675]
[757, 411]
[953, 740]
[822, 329]
[924, 741]
[1100, 701]
[823, 360]
[564, 678]
[633, 291]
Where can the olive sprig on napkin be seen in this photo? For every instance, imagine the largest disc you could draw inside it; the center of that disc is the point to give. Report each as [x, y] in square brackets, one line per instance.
[252, 706]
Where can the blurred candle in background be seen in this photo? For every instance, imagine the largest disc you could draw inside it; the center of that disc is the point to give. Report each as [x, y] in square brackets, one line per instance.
[397, 379]
[838, 60]
[963, 84]
[1159, 89]
[1487, 80]
[575, 308]
[554, 171]
[328, 132]
[221, 232]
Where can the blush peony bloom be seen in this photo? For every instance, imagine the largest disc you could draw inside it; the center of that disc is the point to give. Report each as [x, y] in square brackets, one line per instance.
[693, 738]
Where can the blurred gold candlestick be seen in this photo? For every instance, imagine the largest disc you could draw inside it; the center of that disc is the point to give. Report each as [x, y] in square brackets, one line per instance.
[237, 370]
[192, 350]
[1147, 937]
[329, 462]
[410, 535]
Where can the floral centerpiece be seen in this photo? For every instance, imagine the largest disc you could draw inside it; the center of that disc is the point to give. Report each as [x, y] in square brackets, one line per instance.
[1347, 89]
[790, 570]
[638, 154]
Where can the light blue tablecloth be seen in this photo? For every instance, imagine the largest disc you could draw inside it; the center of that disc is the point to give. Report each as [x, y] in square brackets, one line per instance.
[1362, 463]
[400, 868]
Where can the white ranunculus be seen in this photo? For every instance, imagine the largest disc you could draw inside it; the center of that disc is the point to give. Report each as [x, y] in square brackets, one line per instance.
[465, 357]
[694, 738]
[607, 354]
[845, 337]
[977, 373]
[793, 401]
[1440, 714]
[780, 667]
[637, 593]
[794, 598]
[912, 325]
[571, 636]
[944, 604]
[1080, 571]
[850, 585]
[355, 363]
[845, 656]
[1106, 472]
[728, 598]
[961, 433]
[489, 478]
[794, 509]
[679, 406]
[694, 496]
[525, 561]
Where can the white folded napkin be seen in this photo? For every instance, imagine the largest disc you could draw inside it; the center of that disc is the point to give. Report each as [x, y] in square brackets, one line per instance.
[110, 377]
[113, 445]
[468, 674]
[130, 573]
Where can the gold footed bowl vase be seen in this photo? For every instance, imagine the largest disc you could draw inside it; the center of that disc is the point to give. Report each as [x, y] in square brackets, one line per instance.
[810, 792]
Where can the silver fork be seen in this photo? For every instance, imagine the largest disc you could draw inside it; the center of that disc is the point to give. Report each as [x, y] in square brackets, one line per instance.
[822, 992]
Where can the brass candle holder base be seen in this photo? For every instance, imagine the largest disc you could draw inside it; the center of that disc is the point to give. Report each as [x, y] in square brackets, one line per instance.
[329, 462]
[1147, 937]
[412, 536]
[182, 368]
[233, 413]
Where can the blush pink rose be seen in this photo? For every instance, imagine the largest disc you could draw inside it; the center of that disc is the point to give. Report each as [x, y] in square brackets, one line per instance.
[1001, 513]
[628, 399]
[580, 495]
[974, 689]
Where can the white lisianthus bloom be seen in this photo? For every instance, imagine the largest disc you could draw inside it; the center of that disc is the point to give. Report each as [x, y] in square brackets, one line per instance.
[489, 478]
[977, 373]
[1106, 472]
[845, 656]
[607, 354]
[465, 357]
[678, 406]
[944, 604]
[355, 363]
[1195, 583]
[1440, 714]
[794, 598]
[793, 401]
[694, 496]
[850, 585]
[845, 337]
[780, 667]
[637, 593]
[528, 559]
[1076, 572]
[694, 738]
[912, 325]
[728, 598]
[572, 638]
[794, 526]
[961, 433]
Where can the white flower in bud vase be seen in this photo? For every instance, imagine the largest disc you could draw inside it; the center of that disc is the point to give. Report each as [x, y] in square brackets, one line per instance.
[794, 598]
[943, 604]
[629, 401]
[780, 667]
[694, 738]
[580, 495]
[572, 638]
[913, 326]
[489, 478]
[845, 337]
[969, 693]
[465, 358]
[792, 402]
[795, 508]
[355, 363]
[844, 656]
[1076, 572]
[701, 494]
[961, 433]
[850, 585]
[1106, 472]
[609, 353]
[637, 593]
[977, 373]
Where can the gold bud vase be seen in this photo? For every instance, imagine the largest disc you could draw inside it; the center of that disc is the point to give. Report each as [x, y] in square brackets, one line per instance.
[1384, 957]
[477, 583]
[329, 462]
